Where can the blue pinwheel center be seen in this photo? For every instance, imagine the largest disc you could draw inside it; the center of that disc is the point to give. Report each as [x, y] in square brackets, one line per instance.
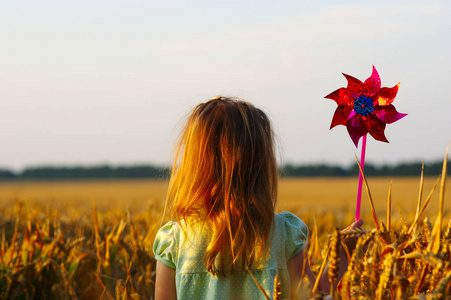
[363, 106]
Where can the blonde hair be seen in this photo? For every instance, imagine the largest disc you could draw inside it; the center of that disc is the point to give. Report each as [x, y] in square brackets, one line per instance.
[225, 175]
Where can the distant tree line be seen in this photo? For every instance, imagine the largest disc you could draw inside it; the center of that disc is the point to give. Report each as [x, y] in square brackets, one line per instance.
[95, 172]
[403, 169]
[289, 170]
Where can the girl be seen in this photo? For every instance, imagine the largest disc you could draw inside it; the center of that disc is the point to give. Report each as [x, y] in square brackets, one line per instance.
[222, 194]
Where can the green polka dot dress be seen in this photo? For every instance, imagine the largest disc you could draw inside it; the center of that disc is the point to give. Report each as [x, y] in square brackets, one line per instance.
[186, 254]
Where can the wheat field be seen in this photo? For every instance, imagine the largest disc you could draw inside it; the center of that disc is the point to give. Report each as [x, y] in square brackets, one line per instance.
[93, 239]
[295, 194]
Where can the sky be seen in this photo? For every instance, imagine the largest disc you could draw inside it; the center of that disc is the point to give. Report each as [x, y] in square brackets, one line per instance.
[110, 82]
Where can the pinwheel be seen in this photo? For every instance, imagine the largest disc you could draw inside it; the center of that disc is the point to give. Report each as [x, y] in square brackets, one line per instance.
[365, 107]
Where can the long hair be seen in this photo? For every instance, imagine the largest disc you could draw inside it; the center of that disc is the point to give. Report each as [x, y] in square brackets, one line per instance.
[225, 175]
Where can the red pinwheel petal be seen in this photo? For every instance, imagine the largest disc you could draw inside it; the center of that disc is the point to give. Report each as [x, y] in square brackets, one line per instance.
[356, 86]
[342, 96]
[376, 128]
[373, 83]
[341, 115]
[388, 114]
[356, 128]
[386, 95]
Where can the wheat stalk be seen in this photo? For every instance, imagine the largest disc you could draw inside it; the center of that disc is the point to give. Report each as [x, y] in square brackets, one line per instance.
[277, 289]
[258, 284]
[389, 207]
[434, 246]
[386, 275]
[334, 258]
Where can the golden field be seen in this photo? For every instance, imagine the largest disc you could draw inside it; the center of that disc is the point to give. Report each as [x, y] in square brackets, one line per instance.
[298, 195]
[93, 239]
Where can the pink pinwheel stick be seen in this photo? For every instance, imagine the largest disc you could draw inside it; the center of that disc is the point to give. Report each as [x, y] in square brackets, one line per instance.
[359, 191]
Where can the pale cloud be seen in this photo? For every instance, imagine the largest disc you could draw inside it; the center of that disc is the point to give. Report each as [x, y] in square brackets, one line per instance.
[343, 12]
[390, 9]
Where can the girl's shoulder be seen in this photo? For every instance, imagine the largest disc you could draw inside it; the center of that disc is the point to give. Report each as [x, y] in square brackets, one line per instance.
[290, 220]
[293, 231]
[166, 243]
[170, 228]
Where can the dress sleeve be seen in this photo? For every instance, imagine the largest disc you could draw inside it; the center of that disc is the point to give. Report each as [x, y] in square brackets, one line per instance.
[296, 233]
[165, 245]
